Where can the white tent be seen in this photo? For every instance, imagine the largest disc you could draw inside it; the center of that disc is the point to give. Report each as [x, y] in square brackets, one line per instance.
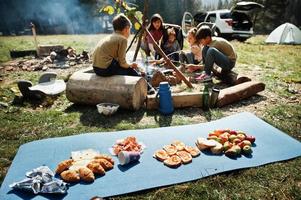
[285, 34]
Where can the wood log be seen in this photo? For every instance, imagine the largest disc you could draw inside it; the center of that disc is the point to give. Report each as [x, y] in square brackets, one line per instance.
[45, 50]
[85, 87]
[239, 92]
[180, 100]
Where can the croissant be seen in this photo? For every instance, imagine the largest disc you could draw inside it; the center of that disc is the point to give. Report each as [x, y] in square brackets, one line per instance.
[62, 166]
[86, 174]
[104, 163]
[70, 176]
[96, 168]
[103, 156]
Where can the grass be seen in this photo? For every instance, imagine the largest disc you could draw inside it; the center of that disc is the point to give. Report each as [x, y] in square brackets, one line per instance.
[79, 42]
[277, 66]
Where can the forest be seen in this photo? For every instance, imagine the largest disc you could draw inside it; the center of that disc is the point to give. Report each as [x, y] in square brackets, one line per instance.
[83, 16]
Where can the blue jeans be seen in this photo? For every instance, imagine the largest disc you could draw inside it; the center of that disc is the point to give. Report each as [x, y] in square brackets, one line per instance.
[212, 55]
[115, 69]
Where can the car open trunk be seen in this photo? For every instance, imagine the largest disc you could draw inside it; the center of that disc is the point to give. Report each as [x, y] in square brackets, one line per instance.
[240, 15]
[241, 21]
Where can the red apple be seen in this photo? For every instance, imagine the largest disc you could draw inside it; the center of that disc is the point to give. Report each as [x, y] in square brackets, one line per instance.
[232, 137]
[247, 150]
[237, 149]
[231, 153]
[227, 145]
[233, 132]
[236, 141]
[241, 132]
[224, 138]
[241, 136]
[250, 138]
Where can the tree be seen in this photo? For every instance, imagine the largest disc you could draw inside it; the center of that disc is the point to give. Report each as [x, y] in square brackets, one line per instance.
[226, 4]
[273, 15]
[220, 4]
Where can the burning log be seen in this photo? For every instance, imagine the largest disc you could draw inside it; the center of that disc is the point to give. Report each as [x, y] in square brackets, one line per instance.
[159, 77]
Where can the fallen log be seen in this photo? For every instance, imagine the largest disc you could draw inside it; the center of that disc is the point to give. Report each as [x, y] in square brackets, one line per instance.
[85, 87]
[180, 100]
[239, 92]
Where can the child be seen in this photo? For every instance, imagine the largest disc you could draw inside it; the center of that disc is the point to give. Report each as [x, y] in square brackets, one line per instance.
[156, 29]
[194, 57]
[215, 50]
[172, 46]
[109, 55]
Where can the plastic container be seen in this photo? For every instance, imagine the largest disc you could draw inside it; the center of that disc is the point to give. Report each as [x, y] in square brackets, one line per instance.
[165, 99]
[126, 157]
[107, 108]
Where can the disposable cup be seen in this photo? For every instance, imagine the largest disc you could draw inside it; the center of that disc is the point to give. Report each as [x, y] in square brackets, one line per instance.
[126, 157]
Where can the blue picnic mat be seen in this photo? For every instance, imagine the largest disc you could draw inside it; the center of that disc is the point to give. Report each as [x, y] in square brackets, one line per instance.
[271, 145]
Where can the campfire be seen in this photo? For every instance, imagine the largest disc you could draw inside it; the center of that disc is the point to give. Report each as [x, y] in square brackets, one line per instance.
[50, 56]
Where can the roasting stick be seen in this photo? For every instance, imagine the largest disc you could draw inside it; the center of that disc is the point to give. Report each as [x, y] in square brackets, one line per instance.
[160, 51]
[167, 60]
[33, 29]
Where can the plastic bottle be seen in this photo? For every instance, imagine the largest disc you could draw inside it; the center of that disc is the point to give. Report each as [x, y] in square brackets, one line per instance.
[206, 97]
[165, 99]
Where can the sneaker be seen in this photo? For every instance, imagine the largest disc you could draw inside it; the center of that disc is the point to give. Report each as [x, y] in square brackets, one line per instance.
[204, 78]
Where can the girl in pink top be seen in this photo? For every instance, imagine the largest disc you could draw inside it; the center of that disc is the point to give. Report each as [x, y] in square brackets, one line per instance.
[195, 56]
[156, 29]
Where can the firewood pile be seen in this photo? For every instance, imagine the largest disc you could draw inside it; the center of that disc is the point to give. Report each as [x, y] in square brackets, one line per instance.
[62, 59]
[170, 76]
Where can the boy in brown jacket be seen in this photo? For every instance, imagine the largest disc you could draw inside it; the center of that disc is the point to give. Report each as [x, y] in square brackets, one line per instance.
[216, 50]
[109, 56]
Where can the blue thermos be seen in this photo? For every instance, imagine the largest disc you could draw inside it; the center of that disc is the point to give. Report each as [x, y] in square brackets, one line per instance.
[165, 99]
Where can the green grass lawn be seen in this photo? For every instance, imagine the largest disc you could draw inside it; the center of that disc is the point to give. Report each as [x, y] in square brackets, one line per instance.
[278, 66]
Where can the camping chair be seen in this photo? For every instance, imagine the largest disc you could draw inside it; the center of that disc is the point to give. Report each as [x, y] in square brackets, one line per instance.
[47, 86]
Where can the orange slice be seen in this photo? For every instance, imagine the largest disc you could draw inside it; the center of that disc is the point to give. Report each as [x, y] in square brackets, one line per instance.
[185, 156]
[179, 145]
[170, 149]
[173, 161]
[161, 155]
[194, 151]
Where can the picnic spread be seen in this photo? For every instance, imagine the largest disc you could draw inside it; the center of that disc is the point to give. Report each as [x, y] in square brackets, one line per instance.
[145, 172]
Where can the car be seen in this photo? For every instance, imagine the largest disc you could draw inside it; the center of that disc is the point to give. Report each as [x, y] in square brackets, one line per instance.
[231, 24]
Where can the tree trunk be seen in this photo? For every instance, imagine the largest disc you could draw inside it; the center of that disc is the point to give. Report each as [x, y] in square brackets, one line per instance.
[85, 87]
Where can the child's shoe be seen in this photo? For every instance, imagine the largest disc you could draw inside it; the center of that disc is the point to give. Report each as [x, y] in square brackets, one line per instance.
[204, 78]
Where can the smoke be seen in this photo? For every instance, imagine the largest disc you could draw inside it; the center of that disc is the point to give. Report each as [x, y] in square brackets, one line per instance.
[50, 17]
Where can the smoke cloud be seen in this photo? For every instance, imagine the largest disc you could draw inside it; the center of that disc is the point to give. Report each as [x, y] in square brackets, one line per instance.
[50, 17]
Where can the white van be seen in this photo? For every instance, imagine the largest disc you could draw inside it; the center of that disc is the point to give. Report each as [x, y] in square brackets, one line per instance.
[231, 24]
